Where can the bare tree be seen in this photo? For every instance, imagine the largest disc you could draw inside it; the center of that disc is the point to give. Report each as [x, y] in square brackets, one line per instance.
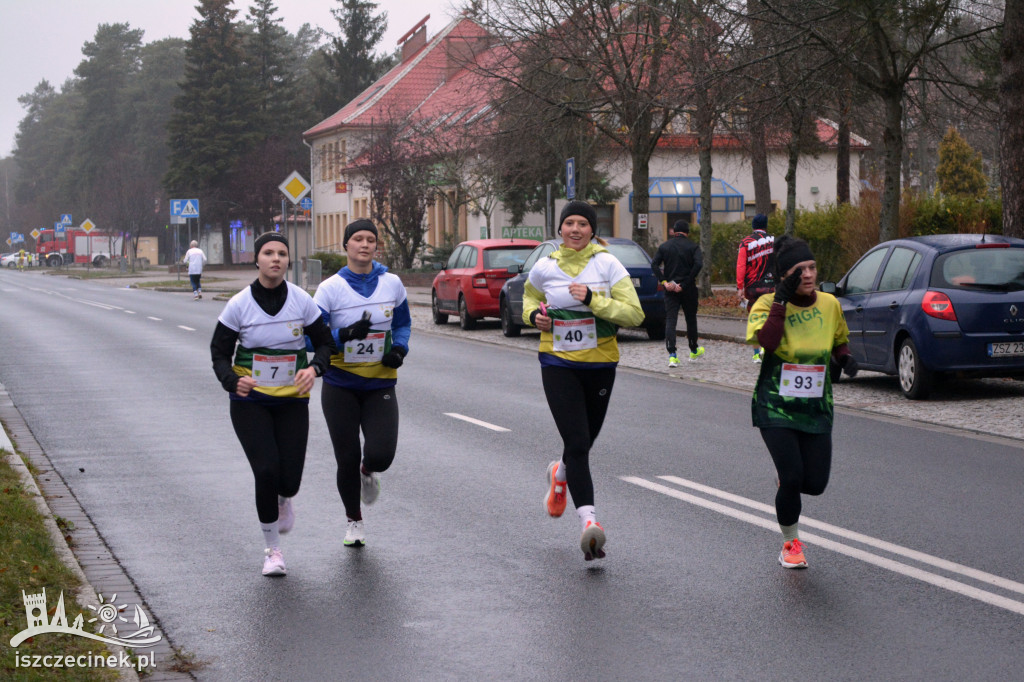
[1011, 120]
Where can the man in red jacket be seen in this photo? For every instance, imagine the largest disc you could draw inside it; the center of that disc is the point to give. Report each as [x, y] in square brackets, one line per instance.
[755, 271]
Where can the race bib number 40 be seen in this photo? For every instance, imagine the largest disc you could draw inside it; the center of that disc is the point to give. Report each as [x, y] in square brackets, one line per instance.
[802, 381]
[567, 335]
[370, 349]
[274, 370]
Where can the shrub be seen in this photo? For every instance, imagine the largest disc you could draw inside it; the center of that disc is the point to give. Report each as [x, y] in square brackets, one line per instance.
[330, 263]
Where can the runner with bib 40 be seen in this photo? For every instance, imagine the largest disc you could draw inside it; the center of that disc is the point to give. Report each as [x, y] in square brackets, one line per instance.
[577, 297]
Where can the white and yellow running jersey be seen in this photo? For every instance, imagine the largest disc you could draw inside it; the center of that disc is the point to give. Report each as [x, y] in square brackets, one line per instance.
[345, 306]
[271, 348]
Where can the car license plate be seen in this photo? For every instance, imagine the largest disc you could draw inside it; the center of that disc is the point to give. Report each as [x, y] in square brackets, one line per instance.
[1006, 350]
[636, 282]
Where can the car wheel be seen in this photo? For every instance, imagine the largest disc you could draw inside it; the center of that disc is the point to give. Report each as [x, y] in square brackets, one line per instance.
[53, 261]
[439, 317]
[915, 379]
[656, 330]
[11, 264]
[465, 321]
[508, 326]
[100, 261]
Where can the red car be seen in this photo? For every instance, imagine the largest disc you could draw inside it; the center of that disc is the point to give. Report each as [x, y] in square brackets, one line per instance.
[469, 283]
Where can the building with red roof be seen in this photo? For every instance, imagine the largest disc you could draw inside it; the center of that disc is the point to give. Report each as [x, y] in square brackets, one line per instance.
[434, 87]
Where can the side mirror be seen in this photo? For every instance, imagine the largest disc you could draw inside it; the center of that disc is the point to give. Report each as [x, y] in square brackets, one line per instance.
[437, 265]
[829, 288]
[515, 269]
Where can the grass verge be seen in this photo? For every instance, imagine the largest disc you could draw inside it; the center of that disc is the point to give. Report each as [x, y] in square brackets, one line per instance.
[31, 564]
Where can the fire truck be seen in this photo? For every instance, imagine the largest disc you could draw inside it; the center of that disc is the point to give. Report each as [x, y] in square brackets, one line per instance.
[77, 246]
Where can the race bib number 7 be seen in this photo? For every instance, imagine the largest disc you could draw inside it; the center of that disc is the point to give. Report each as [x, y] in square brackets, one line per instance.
[274, 370]
[802, 381]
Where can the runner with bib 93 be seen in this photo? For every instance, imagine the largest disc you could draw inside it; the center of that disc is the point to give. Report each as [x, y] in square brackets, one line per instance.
[799, 329]
[578, 297]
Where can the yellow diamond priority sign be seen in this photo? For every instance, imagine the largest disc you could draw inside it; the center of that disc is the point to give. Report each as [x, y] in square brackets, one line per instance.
[87, 226]
[35, 234]
[294, 187]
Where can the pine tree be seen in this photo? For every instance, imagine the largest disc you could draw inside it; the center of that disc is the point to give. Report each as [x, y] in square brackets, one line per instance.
[960, 171]
[350, 66]
[213, 123]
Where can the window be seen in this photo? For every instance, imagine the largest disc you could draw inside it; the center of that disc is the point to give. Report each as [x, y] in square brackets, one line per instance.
[453, 260]
[899, 270]
[502, 258]
[996, 268]
[630, 255]
[863, 274]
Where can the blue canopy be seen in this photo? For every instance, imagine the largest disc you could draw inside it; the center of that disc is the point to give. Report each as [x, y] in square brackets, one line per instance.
[682, 195]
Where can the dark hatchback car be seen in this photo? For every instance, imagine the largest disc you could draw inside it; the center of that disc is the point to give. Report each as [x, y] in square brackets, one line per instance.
[630, 254]
[927, 307]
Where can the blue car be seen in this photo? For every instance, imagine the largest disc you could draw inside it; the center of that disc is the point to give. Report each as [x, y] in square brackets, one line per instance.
[630, 254]
[927, 307]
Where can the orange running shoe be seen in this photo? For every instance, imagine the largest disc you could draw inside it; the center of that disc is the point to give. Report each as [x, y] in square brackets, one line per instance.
[555, 499]
[592, 541]
[792, 555]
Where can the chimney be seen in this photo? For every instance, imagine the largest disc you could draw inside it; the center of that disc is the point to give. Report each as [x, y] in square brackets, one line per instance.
[414, 39]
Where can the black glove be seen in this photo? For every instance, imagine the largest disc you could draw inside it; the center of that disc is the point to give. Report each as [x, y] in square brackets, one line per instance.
[358, 330]
[785, 289]
[849, 365]
[394, 357]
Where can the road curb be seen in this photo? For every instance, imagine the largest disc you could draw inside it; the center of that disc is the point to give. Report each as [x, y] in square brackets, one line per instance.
[101, 572]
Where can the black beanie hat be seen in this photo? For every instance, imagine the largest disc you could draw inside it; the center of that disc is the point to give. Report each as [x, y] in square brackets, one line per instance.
[579, 208]
[358, 226]
[760, 222]
[269, 237]
[681, 226]
[788, 252]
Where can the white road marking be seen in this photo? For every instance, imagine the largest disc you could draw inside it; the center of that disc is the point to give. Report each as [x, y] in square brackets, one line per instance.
[875, 543]
[867, 557]
[188, 329]
[155, 319]
[97, 305]
[129, 312]
[464, 418]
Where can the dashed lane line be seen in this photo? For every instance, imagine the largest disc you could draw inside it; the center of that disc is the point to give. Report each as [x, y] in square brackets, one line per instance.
[484, 424]
[838, 547]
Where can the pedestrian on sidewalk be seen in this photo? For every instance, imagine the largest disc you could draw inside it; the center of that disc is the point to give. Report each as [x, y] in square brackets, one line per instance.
[755, 267]
[368, 312]
[268, 381]
[800, 329]
[683, 260]
[195, 259]
[577, 297]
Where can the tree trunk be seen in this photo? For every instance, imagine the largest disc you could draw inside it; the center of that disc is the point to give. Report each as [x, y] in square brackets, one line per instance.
[843, 149]
[1011, 119]
[794, 160]
[759, 168]
[704, 155]
[641, 195]
[892, 139]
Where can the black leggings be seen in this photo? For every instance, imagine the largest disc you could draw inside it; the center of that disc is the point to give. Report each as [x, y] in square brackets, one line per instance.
[578, 399]
[688, 300]
[803, 461]
[346, 411]
[274, 440]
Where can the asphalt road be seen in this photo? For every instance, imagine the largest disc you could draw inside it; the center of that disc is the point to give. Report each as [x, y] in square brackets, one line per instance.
[914, 549]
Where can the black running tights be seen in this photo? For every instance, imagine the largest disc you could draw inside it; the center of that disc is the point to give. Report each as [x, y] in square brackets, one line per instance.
[346, 412]
[803, 461]
[274, 440]
[578, 399]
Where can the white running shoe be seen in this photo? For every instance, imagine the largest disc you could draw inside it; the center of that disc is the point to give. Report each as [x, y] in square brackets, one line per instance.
[273, 564]
[285, 514]
[356, 536]
[592, 541]
[369, 487]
